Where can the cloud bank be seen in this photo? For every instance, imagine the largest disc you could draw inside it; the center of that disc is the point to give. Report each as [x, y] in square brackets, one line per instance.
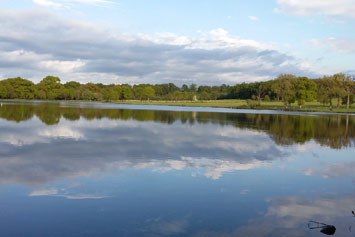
[35, 43]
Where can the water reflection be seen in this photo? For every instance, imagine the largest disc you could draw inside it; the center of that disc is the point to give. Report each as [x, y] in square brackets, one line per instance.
[218, 142]
[81, 148]
[335, 131]
[120, 172]
[289, 216]
[335, 169]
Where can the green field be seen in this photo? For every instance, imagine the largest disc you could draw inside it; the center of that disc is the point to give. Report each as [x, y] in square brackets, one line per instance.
[244, 104]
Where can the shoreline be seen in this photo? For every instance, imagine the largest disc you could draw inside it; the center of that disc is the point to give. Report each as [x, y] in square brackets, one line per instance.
[199, 106]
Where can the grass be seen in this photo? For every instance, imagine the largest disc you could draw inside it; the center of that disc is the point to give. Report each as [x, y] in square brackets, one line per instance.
[240, 104]
[244, 104]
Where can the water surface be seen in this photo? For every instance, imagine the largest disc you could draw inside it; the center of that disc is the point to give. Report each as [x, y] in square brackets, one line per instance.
[86, 169]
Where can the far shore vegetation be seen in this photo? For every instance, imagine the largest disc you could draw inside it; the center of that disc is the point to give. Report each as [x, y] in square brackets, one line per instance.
[334, 93]
[313, 106]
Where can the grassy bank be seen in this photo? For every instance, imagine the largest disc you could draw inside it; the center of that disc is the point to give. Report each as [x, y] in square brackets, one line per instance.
[243, 104]
[231, 103]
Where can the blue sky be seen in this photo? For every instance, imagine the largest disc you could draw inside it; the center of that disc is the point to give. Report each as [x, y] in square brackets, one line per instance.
[155, 41]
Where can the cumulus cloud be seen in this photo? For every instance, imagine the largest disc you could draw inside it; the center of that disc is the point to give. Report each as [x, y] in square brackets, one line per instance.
[339, 8]
[339, 45]
[35, 43]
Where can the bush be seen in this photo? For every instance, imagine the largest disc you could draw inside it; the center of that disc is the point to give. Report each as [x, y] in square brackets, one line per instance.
[252, 104]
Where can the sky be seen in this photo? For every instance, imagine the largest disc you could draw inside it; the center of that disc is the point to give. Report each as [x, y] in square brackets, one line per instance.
[206, 42]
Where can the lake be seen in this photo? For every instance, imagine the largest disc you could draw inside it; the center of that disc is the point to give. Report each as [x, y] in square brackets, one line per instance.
[96, 169]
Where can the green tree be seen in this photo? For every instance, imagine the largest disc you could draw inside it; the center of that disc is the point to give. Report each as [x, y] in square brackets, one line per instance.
[177, 95]
[305, 90]
[204, 96]
[185, 88]
[261, 89]
[69, 90]
[349, 88]
[138, 91]
[339, 86]
[50, 87]
[126, 92]
[283, 86]
[193, 88]
[17, 88]
[148, 93]
[3, 91]
[326, 90]
[72, 85]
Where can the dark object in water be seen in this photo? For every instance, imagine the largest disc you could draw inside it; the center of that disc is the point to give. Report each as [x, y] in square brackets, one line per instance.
[328, 230]
[325, 229]
[353, 213]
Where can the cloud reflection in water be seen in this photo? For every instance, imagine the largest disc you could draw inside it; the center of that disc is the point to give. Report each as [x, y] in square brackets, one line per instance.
[36, 155]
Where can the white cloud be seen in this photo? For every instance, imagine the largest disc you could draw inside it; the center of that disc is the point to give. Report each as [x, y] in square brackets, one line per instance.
[215, 168]
[253, 18]
[47, 3]
[301, 209]
[93, 2]
[71, 3]
[41, 135]
[339, 45]
[18, 140]
[223, 39]
[62, 66]
[43, 192]
[61, 132]
[306, 147]
[334, 170]
[64, 193]
[332, 8]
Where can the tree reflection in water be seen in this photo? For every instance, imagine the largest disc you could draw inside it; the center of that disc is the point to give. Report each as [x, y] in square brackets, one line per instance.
[335, 131]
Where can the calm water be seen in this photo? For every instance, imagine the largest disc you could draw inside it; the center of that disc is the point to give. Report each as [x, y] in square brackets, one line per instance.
[83, 169]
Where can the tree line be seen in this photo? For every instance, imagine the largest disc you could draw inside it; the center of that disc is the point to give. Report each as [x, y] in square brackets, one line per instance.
[286, 88]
